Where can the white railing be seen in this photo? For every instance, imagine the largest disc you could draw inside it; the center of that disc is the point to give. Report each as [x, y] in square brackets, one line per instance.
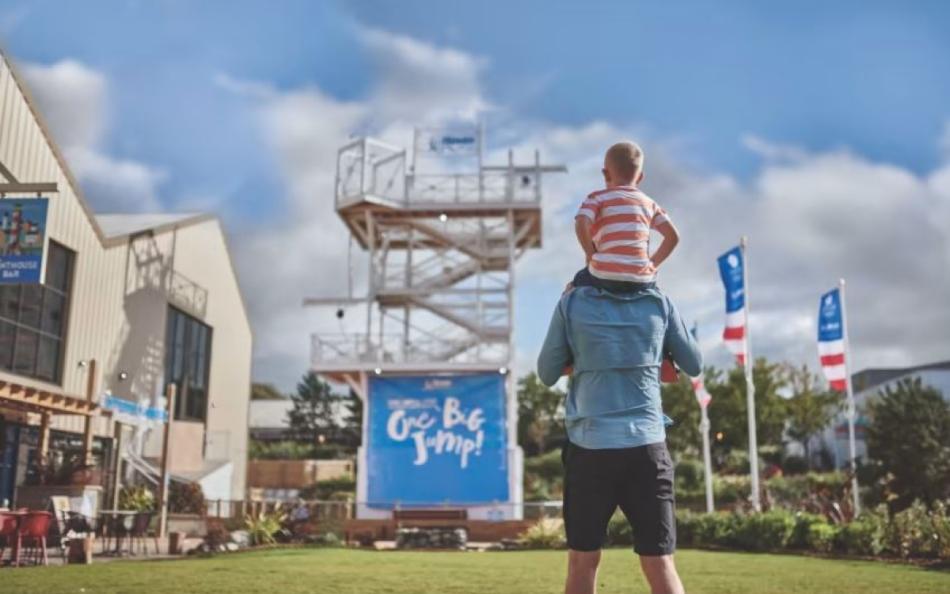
[355, 348]
[370, 167]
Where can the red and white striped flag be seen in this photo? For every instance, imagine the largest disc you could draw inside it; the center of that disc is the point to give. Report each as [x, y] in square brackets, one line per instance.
[831, 340]
[733, 280]
[699, 388]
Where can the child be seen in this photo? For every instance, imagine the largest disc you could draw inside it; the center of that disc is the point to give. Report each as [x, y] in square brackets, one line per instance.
[613, 227]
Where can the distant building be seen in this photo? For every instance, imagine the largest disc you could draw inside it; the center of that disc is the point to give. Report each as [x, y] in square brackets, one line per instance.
[868, 383]
[268, 419]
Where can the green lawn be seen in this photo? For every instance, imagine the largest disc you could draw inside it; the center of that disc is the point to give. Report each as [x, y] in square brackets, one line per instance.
[337, 571]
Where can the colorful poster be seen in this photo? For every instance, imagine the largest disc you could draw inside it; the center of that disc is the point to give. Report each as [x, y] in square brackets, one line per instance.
[437, 439]
[22, 237]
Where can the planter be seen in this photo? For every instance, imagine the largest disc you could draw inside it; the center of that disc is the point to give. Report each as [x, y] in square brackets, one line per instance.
[189, 524]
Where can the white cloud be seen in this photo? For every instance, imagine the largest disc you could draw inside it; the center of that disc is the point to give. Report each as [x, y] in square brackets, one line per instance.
[811, 219]
[420, 82]
[74, 100]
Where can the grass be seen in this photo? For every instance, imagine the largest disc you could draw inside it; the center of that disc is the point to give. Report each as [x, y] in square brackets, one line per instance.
[338, 571]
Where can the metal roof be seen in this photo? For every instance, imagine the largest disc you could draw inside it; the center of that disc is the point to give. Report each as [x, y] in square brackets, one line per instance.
[121, 225]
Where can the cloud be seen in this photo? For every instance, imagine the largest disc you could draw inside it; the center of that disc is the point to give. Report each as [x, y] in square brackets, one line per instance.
[304, 253]
[74, 100]
[812, 218]
[421, 82]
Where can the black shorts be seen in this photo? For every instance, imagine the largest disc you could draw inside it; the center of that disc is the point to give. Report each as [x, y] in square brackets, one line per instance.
[584, 278]
[638, 480]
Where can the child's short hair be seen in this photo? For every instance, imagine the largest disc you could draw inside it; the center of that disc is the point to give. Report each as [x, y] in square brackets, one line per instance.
[626, 158]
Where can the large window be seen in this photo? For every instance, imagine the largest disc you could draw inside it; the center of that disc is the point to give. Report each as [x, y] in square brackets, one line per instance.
[33, 320]
[187, 362]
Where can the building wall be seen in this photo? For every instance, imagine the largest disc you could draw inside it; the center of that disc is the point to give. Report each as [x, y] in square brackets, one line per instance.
[120, 296]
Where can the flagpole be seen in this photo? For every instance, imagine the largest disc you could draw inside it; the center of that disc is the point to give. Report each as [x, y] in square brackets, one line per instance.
[749, 385]
[707, 459]
[852, 409]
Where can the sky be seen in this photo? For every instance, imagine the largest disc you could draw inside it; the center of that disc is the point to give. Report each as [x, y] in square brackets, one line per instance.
[820, 131]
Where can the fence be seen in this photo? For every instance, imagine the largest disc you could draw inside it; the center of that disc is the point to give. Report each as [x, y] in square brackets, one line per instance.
[235, 509]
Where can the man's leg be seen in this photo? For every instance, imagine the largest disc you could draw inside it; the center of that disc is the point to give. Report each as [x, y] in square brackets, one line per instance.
[582, 572]
[661, 574]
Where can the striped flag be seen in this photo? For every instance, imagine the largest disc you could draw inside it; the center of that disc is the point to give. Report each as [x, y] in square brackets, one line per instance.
[699, 388]
[733, 280]
[831, 340]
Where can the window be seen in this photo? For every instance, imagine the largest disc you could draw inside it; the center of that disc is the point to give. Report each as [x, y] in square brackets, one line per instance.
[33, 320]
[187, 363]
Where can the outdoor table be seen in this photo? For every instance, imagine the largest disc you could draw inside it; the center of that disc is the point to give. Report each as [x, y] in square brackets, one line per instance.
[116, 515]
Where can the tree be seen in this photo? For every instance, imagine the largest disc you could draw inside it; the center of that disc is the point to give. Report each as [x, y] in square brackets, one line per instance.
[679, 403]
[353, 419]
[540, 415]
[909, 436]
[810, 409]
[316, 410]
[265, 392]
[727, 411]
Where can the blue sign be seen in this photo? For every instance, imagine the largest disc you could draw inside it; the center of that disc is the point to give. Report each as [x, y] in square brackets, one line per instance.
[437, 439]
[133, 413]
[22, 234]
[830, 326]
[730, 270]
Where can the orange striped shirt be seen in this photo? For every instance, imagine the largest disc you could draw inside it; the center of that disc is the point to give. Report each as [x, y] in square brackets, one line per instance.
[622, 219]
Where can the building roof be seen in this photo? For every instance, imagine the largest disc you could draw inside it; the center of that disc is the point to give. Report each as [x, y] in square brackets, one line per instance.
[869, 378]
[270, 414]
[122, 225]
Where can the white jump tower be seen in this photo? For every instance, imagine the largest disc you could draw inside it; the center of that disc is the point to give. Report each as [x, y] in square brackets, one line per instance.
[442, 248]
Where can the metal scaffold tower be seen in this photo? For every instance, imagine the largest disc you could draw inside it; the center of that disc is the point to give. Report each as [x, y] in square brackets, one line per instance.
[442, 248]
[442, 232]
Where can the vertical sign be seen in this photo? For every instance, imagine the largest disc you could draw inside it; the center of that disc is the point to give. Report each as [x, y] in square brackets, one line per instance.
[437, 439]
[22, 237]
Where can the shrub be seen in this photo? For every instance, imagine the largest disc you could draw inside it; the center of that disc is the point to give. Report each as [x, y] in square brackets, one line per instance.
[803, 523]
[864, 536]
[920, 532]
[263, 526]
[689, 475]
[736, 462]
[186, 498]
[217, 535]
[767, 531]
[329, 489]
[821, 537]
[794, 465]
[546, 534]
[136, 498]
[618, 531]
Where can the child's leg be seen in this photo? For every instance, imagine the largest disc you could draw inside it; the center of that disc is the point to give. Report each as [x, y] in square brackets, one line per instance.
[584, 278]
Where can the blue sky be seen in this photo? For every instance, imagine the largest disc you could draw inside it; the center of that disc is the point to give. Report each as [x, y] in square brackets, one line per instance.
[745, 104]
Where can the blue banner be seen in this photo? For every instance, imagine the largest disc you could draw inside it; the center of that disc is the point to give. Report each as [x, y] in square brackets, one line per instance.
[437, 439]
[830, 326]
[22, 237]
[132, 413]
[730, 270]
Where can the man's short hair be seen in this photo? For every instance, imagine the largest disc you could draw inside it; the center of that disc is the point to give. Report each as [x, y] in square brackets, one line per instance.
[626, 158]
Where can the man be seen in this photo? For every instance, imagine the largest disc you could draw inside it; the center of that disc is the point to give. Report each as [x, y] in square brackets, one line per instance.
[616, 454]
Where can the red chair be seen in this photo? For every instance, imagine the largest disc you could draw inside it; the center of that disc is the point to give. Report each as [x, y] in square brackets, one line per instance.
[34, 527]
[9, 535]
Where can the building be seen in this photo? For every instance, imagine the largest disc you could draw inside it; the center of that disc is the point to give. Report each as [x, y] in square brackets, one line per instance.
[868, 383]
[269, 421]
[130, 304]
